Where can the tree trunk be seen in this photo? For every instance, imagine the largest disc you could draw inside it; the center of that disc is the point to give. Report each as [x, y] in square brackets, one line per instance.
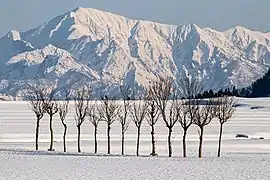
[79, 137]
[123, 141]
[51, 130]
[169, 142]
[64, 137]
[138, 141]
[153, 141]
[109, 139]
[219, 140]
[184, 143]
[95, 135]
[37, 132]
[201, 142]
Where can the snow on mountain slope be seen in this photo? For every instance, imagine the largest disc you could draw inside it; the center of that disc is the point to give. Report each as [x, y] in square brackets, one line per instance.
[267, 35]
[10, 45]
[109, 48]
[50, 62]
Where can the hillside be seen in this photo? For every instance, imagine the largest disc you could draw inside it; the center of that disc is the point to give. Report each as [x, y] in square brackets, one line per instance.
[103, 49]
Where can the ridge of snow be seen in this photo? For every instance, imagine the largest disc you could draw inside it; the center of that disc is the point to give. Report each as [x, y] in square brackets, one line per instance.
[103, 47]
[14, 35]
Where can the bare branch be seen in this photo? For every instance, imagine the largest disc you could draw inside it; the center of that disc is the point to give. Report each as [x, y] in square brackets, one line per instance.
[205, 113]
[108, 111]
[139, 113]
[82, 100]
[189, 88]
[162, 92]
[93, 114]
[225, 108]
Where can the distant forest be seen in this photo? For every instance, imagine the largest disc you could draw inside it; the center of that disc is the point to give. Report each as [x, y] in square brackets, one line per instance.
[259, 88]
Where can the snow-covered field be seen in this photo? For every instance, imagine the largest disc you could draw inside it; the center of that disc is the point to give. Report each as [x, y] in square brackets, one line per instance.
[242, 158]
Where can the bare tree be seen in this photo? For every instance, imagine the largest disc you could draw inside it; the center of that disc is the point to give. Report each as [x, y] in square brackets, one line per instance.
[36, 98]
[138, 113]
[203, 117]
[94, 119]
[189, 89]
[185, 123]
[82, 99]
[108, 112]
[63, 110]
[163, 91]
[225, 108]
[171, 121]
[124, 113]
[51, 108]
[153, 115]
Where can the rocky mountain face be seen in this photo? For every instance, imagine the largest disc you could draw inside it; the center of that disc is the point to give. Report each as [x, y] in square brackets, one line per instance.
[88, 46]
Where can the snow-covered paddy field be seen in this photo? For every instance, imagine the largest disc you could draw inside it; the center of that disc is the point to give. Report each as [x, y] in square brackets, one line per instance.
[241, 158]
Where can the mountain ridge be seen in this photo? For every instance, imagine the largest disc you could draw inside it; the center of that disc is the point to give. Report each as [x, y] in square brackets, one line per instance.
[109, 49]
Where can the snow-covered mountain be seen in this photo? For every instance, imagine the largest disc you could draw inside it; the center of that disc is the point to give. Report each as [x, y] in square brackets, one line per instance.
[105, 50]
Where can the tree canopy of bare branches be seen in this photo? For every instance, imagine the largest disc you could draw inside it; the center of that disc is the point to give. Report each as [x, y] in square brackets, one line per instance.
[203, 117]
[51, 108]
[152, 117]
[82, 99]
[94, 119]
[185, 123]
[189, 89]
[108, 111]
[124, 113]
[225, 108]
[138, 113]
[36, 99]
[63, 107]
[163, 91]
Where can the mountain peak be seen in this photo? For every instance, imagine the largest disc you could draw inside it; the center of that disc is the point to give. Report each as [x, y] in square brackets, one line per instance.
[87, 11]
[14, 35]
[112, 47]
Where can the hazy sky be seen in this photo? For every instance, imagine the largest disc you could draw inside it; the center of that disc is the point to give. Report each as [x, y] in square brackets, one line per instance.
[219, 14]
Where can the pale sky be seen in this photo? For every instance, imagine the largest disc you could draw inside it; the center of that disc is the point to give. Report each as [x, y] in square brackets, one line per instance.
[218, 14]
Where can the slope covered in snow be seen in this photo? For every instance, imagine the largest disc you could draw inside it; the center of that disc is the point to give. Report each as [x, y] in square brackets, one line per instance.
[104, 47]
[247, 158]
[32, 165]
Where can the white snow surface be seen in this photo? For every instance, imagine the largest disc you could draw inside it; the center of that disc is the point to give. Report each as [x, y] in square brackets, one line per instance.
[112, 47]
[241, 158]
[43, 165]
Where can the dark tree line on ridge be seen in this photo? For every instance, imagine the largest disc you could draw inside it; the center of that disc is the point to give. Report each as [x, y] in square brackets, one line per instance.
[162, 101]
[259, 88]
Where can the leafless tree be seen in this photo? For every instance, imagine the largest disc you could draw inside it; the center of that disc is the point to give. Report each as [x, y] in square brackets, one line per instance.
[108, 112]
[138, 112]
[36, 98]
[225, 108]
[51, 108]
[163, 91]
[203, 117]
[94, 119]
[63, 107]
[171, 120]
[185, 123]
[82, 99]
[124, 113]
[189, 89]
[152, 117]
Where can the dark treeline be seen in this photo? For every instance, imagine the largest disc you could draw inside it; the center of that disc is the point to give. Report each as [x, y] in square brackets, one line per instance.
[222, 92]
[259, 88]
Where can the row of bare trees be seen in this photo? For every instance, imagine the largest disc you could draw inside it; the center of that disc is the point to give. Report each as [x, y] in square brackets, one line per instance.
[162, 100]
